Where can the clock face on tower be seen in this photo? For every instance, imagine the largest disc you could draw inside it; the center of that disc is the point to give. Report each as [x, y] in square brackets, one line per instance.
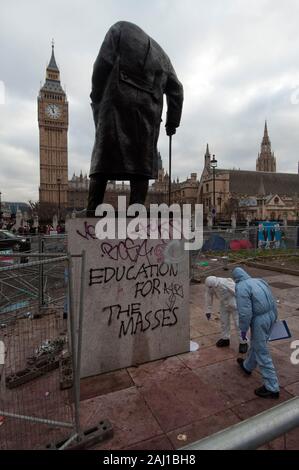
[53, 111]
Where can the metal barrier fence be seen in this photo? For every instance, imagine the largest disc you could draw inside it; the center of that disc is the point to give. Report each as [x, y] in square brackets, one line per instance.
[57, 243]
[229, 234]
[198, 260]
[255, 431]
[52, 279]
[291, 235]
[48, 243]
[40, 377]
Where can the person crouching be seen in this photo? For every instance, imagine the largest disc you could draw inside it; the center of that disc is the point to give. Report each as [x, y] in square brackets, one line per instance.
[224, 290]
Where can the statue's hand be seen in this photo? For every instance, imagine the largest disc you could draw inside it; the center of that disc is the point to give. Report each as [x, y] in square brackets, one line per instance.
[170, 130]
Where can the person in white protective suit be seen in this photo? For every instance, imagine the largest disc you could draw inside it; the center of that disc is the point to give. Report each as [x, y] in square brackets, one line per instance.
[224, 290]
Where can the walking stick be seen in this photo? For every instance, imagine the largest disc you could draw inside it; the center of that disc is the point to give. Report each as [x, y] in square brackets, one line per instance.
[169, 184]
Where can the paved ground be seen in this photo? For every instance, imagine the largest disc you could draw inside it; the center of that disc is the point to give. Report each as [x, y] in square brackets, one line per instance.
[168, 403]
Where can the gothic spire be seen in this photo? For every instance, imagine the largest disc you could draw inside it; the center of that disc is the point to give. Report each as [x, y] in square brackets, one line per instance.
[160, 163]
[52, 64]
[207, 158]
[266, 140]
[207, 151]
[266, 160]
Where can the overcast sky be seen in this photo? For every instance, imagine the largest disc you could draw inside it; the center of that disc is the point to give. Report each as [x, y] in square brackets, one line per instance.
[238, 62]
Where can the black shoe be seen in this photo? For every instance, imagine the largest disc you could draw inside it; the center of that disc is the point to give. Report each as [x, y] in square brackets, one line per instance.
[222, 343]
[240, 361]
[264, 393]
[243, 347]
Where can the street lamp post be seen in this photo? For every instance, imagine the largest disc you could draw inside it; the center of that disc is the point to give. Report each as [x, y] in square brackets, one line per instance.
[0, 208]
[214, 166]
[220, 206]
[59, 183]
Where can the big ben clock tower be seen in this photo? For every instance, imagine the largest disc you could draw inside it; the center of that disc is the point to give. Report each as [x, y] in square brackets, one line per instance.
[53, 127]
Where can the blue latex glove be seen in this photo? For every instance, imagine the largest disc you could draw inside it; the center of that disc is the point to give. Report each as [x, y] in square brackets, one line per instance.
[208, 315]
[243, 335]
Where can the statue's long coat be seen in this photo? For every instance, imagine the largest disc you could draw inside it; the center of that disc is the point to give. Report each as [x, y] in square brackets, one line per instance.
[130, 76]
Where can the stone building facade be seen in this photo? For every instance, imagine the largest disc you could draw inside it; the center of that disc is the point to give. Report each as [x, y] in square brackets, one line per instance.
[158, 193]
[78, 192]
[253, 195]
[185, 192]
[205, 194]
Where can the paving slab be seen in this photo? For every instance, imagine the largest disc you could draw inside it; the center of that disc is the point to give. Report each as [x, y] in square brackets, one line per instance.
[285, 312]
[288, 441]
[195, 332]
[206, 341]
[258, 405]
[293, 323]
[206, 356]
[157, 370]
[293, 389]
[202, 428]
[282, 348]
[227, 378]
[287, 372]
[292, 440]
[205, 327]
[105, 383]
[292, 306]
[157, 443]
[287, 297]
[180, 400]
[282, 285]
[128, 413]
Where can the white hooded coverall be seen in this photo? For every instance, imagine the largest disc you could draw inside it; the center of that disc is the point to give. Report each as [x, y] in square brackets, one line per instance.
[224, 289]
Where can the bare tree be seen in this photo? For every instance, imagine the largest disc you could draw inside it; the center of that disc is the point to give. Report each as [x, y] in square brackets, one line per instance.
[44, 210]
[231, 206]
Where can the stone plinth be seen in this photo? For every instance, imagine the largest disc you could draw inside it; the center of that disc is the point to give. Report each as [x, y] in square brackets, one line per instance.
[136, 298]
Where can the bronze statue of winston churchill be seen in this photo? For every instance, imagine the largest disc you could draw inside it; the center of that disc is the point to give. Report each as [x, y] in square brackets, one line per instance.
[130, 76]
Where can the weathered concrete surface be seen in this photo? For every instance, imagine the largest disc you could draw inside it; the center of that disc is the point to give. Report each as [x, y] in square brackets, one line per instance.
[136, 305]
